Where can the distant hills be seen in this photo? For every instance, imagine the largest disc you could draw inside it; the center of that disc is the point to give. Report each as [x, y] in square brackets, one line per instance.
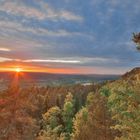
[134, 74]
[43, 79]
[49, 76]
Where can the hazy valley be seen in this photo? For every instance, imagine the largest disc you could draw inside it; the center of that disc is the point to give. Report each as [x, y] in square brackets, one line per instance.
[27, 79]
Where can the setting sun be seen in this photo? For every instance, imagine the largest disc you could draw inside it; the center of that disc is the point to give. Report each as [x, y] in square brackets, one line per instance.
[18, 69]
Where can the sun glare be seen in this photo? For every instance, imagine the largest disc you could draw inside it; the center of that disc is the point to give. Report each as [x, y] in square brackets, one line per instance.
[18, 69]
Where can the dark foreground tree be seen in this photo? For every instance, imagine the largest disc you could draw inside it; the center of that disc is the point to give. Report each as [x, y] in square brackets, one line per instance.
[136, 39]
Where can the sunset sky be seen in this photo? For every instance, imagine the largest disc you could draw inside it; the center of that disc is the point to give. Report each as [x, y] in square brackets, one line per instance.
[69, 36]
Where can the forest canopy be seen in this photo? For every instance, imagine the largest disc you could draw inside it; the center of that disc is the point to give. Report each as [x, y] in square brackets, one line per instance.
[103, 111]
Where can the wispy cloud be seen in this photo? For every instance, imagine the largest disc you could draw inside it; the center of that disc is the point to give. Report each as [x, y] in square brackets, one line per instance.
[100, 60]
[18, 8]
[52, 61]
[55, 14]
[3, 59]
[5, 49]
[16, 26]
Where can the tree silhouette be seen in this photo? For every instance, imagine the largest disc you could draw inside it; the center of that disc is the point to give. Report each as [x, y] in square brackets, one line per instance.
[136, 39]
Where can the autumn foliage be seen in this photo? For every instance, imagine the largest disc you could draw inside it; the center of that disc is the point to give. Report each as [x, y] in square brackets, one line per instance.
[106, 111]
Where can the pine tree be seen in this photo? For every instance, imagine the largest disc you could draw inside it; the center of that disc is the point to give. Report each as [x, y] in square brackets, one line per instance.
[68, 114]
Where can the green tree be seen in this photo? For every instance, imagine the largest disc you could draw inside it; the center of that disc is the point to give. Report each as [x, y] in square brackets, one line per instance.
[79, 122]
[124, 105]
[53, 117]
[57, 123]
[68, 114]
[52, 124]
[93, 122]
[90, 99]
